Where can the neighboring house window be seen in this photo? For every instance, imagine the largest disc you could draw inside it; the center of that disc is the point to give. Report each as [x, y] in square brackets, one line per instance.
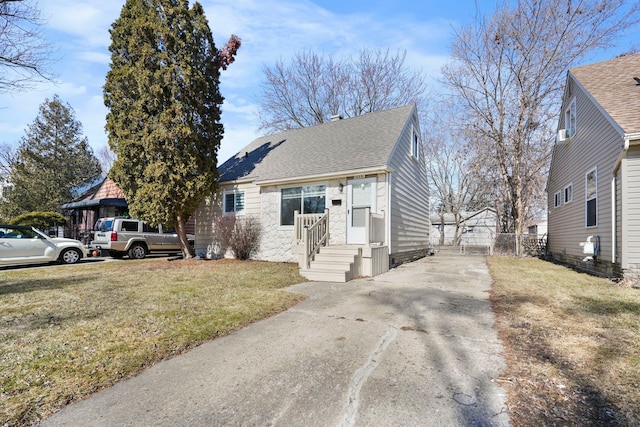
[233, 202]
[557, 200]
[592, 198]
[568, 193]
[415, 145]
[305, 200]
[570, 119]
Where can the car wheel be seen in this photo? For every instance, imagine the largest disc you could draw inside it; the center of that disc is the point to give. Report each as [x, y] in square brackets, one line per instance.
[70, 256]
[137, 251]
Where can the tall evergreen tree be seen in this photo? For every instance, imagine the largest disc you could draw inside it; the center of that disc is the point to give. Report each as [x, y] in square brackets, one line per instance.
[52, 162]
[164, 109]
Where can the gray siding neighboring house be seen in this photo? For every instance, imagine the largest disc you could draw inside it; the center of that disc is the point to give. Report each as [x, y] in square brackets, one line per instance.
[345, 166]
[477, 228]
[594, 181]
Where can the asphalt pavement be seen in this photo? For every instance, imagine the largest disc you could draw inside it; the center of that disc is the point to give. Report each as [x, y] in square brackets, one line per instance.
[412, 347]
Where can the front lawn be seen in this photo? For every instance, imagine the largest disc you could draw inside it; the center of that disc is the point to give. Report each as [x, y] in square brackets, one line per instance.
[69, 331]
[572, 345]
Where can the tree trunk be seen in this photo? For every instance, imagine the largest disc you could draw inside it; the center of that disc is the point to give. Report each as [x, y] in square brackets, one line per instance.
[187, 249]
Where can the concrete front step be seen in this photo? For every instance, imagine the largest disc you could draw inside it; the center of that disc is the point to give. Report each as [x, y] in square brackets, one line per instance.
[326, 276]
[323, 257]
[332, 264]
[339, 250]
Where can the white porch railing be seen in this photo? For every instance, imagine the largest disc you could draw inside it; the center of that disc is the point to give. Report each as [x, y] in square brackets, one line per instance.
[374, 227]
[312, 231]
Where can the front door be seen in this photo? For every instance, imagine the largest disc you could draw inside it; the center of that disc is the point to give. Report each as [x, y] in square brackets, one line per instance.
[361, 194]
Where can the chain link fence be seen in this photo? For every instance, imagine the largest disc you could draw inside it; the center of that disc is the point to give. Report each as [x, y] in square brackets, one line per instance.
[504, 244]
[531, 244]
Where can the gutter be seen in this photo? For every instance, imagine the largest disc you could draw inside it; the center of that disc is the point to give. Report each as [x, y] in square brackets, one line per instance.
[339, 174]
[628, 137]
[115, 201]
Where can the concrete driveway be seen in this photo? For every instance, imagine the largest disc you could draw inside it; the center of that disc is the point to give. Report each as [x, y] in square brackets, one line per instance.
[411, 347]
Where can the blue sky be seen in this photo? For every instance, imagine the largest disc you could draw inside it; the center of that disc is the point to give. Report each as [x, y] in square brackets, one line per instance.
[269, 29]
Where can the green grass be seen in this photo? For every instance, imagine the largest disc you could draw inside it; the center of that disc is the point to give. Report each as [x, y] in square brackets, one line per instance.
[69, 331]
[572, 345]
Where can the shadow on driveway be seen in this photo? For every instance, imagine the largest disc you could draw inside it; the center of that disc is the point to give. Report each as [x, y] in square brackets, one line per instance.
[413, 346]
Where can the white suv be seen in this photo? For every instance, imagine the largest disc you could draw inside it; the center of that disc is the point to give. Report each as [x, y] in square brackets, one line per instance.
[126, 236]
[26, 245]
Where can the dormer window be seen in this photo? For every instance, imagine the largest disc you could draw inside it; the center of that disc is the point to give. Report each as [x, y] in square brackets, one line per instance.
[570, 119]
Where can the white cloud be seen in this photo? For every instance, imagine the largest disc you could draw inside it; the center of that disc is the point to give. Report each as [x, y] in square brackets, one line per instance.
[269, 29]
[97, 57]
[85, 20]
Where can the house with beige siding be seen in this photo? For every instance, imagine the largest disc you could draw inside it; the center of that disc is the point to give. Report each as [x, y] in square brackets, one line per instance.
[594, 181]
[343, 199]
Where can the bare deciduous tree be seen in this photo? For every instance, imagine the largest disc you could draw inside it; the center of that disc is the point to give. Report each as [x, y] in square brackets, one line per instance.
[456, 181]
[7, 157]
[509, 71]
[106, 157]
[24, 53]
[314, 86]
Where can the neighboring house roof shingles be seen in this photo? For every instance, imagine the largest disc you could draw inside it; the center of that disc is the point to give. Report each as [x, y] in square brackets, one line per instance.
[355, 143]
[104, 193]
[612, 85]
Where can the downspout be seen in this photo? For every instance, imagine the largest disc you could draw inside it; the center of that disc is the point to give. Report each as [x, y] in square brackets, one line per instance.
[387, 214]
[614, 216]
[614, 213]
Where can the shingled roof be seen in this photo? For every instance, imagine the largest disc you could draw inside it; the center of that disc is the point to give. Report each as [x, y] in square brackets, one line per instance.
[612, 85]
[106, 193]
[362, 142]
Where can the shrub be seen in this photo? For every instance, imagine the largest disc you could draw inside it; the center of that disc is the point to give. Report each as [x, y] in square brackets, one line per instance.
[40, 220]
[241, 235]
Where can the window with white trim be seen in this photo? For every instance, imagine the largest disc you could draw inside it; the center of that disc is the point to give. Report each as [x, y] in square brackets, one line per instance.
[570, 119]
[233, 202]
[557, 200]
[306, 200]
[591, 204]
[415, 144]
[568, 193]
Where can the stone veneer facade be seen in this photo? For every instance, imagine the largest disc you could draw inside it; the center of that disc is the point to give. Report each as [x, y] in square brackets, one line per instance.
[276, 240]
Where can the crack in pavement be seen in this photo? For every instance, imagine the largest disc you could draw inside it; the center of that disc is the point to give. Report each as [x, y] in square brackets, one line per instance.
[361, 376]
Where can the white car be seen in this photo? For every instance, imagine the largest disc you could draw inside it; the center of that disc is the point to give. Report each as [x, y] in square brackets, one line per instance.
[26, 245]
